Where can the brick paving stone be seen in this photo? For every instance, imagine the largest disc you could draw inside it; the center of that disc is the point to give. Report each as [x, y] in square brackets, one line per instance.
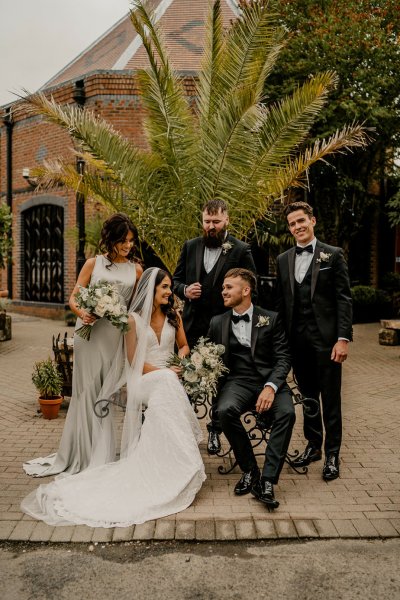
[384, 527]
[245, 530]
[6, 528]
[345, 528]
[285, 529]
[185, 530]
[205, 530]
[265, 529]
[225, 530]
[165, 530]
[22, 531]
[82, 533]
[41, 533]
[101, 534]
[325, 528]
[123, 534]
[365, 528]
[396, 524]
[144, 531]
[305, 529]
[62, 534]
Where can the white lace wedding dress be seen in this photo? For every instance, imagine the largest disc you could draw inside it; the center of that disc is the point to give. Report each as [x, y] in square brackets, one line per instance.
[160, 476]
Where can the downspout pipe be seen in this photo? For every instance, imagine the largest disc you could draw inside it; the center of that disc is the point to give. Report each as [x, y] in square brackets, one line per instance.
[9, 124]
[79, 97]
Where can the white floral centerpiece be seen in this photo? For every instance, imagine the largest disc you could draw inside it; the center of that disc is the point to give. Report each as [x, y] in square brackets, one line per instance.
[201, 370]
[102, 299]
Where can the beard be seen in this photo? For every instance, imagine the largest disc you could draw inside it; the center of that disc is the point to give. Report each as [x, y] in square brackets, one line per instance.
[214, 239]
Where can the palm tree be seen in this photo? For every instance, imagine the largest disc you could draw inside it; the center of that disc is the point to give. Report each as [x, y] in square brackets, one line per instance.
[231, 145]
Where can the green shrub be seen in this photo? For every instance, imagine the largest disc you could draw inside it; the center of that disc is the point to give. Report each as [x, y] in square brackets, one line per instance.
[47, 379]
[367, 295]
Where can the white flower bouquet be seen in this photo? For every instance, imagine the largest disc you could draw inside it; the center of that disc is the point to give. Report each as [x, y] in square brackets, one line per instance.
[202, 369]
[102, 299]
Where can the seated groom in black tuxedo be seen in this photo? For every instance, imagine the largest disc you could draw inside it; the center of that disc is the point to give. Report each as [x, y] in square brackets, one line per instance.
[199, 274]
[257, 355]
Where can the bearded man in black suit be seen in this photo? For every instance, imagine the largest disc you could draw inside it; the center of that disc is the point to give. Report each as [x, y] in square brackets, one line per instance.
[198, 279]
[314, 299]
[257, 356]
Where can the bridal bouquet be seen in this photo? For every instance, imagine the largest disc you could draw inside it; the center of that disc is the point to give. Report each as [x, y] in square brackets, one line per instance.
[202, 369]
[101, 299]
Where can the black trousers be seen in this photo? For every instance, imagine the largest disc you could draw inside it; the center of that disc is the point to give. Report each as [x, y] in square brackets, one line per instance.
[319, 377]
[237, 397]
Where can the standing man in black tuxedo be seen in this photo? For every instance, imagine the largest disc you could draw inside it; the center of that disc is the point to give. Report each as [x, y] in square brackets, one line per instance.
[258, 358]
[314, 299]
[198, 279]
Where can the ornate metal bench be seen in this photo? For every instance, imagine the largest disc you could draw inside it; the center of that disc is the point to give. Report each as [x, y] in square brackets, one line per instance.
[63, 351]
[258, 427]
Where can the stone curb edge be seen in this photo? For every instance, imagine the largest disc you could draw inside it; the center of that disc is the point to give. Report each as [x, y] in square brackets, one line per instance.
[204, 530]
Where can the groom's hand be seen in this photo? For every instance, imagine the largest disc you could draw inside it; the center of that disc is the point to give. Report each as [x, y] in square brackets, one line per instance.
[265, 399]
[193, 291]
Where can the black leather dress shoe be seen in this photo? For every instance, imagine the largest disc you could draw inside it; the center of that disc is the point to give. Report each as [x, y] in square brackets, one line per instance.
[247, 481]
[309, 455]
[331, 467]
[214, 443]
[263, 490]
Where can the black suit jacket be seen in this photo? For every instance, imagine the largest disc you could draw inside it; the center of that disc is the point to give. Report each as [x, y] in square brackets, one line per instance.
[330, 292]
[189, 269]
[269, 346]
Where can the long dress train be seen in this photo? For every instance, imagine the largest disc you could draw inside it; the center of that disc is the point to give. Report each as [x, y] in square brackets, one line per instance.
[92, 362]
[161, 475]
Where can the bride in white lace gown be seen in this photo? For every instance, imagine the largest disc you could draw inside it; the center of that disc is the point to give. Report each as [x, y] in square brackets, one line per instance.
[161, 469]
[93, 359]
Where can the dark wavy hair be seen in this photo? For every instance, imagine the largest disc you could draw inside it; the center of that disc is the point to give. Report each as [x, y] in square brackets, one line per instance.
[115, 229]
[293, 206]
[168, 309]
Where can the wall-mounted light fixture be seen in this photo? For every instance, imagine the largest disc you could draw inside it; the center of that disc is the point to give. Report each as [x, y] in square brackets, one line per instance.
[26, 174]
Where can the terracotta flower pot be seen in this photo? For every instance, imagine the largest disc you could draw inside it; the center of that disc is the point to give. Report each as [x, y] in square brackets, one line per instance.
[49, 407]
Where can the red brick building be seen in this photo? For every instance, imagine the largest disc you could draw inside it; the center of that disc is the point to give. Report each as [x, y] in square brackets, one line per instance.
[100, 79]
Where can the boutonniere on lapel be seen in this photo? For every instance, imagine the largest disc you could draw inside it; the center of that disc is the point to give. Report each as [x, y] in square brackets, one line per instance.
[263, 321]
[226, 246]
[324, 257]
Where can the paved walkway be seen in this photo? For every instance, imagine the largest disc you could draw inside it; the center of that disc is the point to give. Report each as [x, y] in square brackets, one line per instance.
[363, 503]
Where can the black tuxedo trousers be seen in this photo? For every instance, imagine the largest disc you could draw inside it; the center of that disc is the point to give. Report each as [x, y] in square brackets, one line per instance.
[318, 376]
[237, 397]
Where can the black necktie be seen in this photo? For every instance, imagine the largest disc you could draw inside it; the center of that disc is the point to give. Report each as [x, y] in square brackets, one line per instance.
[308, 248]
[237, 318]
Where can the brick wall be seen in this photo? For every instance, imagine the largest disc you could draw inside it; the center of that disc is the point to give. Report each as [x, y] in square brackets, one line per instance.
[113, 96]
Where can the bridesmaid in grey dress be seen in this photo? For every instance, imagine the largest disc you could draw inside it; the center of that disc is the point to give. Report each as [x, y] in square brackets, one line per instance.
[93, 358]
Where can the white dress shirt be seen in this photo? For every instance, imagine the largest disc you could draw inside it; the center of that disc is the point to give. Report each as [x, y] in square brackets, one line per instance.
[242, 332]
[211, 255]
[303, 261]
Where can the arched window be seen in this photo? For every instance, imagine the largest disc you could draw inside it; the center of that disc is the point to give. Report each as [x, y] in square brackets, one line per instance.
[43, 253]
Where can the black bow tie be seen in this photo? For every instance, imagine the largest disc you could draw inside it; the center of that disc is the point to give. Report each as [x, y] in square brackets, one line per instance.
[237, 318]
[308, 248]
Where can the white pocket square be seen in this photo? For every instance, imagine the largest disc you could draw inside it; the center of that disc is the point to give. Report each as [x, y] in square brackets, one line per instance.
[325, 269]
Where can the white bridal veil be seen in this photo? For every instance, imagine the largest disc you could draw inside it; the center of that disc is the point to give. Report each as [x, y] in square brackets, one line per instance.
[127, 368]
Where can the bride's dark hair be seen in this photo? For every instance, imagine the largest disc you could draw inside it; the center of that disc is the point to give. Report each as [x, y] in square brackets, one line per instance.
[115, 229]
[168, 309]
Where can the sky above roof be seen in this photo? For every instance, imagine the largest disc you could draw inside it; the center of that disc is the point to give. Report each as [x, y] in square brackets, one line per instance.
[39, 37]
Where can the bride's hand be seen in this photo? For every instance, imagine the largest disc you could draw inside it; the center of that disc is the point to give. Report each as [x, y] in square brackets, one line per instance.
[176, 370]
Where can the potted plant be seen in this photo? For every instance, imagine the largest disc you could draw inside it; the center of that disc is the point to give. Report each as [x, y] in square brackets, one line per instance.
[48, 381]
[5, 320]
